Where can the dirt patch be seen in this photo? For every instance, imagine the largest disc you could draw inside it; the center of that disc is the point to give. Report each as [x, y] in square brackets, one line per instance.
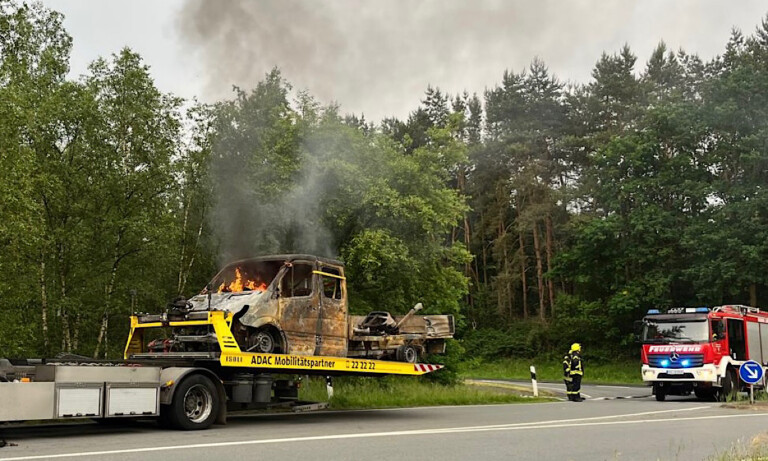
[757, 406]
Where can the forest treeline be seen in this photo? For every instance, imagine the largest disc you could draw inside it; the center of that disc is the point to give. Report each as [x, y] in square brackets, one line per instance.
[538, 212]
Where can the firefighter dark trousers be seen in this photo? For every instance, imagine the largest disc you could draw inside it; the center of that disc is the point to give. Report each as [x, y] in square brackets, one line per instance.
[574, 388]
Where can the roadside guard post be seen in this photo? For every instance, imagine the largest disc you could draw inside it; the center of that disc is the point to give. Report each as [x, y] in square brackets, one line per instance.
[533, 382]
[751, 373]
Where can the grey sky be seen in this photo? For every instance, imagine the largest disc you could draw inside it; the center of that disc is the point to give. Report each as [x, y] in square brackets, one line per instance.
[377, 57]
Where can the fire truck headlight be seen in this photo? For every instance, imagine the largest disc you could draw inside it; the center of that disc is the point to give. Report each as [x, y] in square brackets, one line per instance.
[685, 362]
[664, 363]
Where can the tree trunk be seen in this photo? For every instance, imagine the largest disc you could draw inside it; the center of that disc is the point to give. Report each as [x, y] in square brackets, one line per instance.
[753, 295]
[183, 247]
[539, 271]
[102, 338]
[501, 285]
[485, 250]
[192, 258]
[523, 278]
[44, 304]
[75, 332]
[66, 337]
[550, 282]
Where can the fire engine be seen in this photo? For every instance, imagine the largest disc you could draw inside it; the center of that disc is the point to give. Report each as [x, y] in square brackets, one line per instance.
[700, 349]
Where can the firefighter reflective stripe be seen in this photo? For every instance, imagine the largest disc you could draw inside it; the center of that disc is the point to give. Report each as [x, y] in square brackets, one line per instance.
[567, 365]
[576, 368]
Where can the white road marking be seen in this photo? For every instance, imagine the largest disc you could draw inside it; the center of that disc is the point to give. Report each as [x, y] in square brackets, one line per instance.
[614, 387]
[578, 422]
[562, 390]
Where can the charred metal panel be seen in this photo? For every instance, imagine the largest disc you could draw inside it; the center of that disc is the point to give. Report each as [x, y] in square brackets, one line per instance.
[432, 326]
[264, 310]
[298, 319]
[299, 309]
[333, 310]
[354, 322]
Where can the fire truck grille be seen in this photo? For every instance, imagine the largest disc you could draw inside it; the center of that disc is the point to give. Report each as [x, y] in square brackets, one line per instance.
[678, 361]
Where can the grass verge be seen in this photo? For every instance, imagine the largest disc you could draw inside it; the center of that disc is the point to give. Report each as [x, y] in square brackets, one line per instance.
[551, 369]
[755, 449]
[402, 391]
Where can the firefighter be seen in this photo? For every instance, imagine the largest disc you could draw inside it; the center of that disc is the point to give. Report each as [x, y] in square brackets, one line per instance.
[573, 370]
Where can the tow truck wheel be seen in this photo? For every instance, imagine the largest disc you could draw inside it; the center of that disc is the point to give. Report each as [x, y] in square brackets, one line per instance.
[660, 391]
[407, 354]
[195, 404]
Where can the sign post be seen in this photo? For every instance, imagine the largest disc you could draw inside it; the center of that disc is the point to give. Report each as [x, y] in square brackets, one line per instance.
[533, 382]
[751, 373]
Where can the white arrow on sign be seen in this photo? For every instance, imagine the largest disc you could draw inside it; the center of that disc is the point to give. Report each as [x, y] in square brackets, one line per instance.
[751, 371]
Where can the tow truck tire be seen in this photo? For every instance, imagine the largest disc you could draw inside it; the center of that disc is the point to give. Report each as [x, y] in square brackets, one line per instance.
[408, 354]
[195, 404]
[660, 391]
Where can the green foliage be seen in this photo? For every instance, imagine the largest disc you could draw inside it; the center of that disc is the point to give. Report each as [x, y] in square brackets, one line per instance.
[389, 392]
[454, 356]
[549, 368]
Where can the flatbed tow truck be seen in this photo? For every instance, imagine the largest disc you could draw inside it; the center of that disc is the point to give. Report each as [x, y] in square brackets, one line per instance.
[186, 390]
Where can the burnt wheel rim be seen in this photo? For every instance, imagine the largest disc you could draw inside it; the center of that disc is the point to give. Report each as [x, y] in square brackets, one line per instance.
[264, 342]
[198, 403]
[410, 355]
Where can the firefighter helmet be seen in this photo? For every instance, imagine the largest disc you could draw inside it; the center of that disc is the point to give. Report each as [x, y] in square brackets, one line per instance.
[575, 347]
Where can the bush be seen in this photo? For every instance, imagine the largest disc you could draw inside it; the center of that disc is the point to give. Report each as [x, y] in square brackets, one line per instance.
[454, 355]
[575, 320]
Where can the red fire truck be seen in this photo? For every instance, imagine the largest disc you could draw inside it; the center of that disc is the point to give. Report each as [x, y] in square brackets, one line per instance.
[700, 349]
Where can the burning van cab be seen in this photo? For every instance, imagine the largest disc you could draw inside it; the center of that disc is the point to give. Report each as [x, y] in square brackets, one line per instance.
[296, 304]
[285, 304]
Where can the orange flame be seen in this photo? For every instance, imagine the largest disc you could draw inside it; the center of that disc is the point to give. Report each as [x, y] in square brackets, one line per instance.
[239, 284]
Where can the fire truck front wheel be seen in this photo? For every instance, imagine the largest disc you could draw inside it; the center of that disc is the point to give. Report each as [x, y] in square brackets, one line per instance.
[660, 391]
[730, 386]
[195, 404]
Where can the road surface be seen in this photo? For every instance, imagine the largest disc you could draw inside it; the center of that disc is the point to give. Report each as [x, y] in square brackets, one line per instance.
[588, 391]
[613, 429]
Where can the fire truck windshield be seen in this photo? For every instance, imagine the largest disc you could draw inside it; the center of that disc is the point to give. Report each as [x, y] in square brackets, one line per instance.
[675, 331]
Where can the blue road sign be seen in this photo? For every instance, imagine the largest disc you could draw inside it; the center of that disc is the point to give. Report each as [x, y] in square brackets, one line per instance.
[751, 372]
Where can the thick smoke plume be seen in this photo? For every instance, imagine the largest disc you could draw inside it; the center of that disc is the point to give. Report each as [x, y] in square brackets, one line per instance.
[258, 214]
[377, 57]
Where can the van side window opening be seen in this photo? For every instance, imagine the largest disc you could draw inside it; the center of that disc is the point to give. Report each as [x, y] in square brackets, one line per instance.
[297, 281]
[331, 285]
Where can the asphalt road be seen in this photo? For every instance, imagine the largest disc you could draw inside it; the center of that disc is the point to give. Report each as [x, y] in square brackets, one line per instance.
[615, 429]
[588, 391]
